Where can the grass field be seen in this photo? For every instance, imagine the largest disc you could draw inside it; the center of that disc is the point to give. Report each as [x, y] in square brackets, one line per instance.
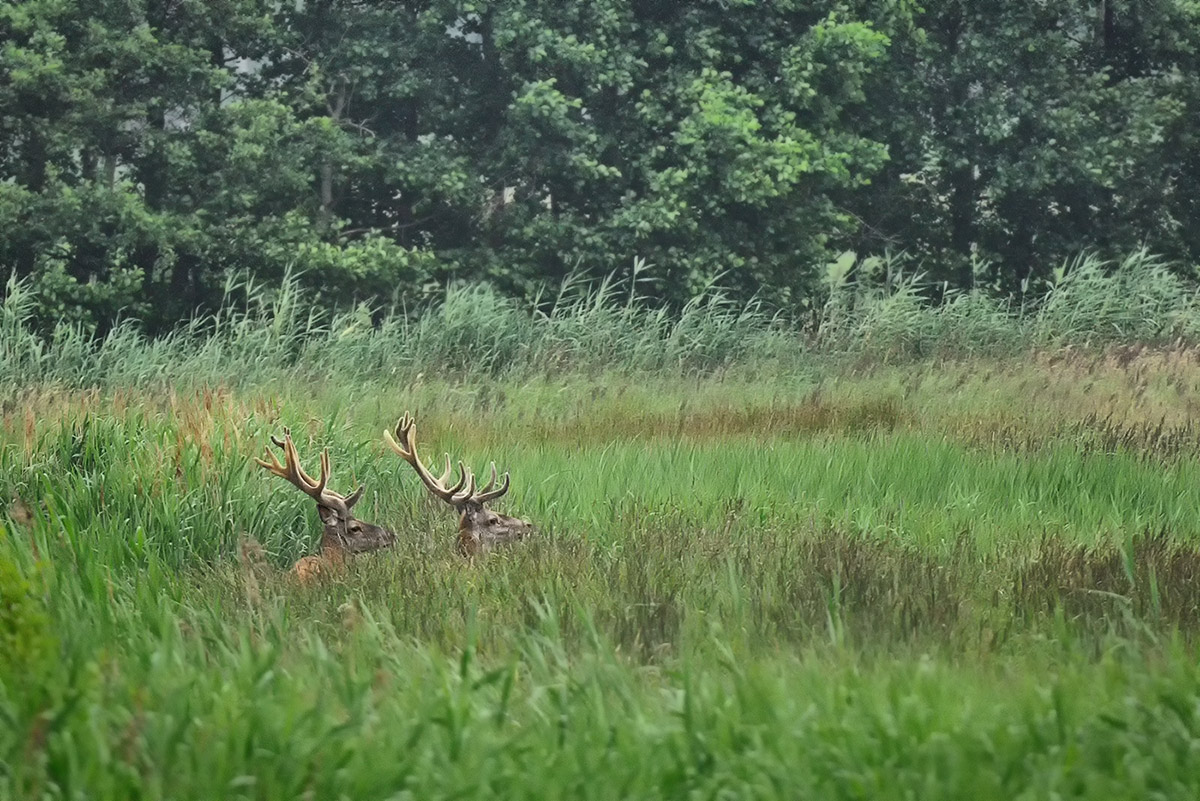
[941, 580]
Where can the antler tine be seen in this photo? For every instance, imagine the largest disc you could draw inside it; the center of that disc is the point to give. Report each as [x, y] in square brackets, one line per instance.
[468, 494]
[404, 443]
[273, 466]
[489, 494]
[491, 481]
[462, 477]
[353, 497]
[401, 443]
[315, 488]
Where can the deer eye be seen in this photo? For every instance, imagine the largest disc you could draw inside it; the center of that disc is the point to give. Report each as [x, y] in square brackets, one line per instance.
[493, 520]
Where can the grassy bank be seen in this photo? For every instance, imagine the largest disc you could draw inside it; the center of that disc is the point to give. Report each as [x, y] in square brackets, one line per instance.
[942, 579]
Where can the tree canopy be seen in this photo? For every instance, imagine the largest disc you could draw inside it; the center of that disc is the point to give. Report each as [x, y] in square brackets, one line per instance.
[150, 148]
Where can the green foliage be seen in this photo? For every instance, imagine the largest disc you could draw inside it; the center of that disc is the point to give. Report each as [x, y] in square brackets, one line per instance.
[1137, 300]
[896, 585]
[63, 298]
[872, 309]
[468, 329]
[1021, 134]
[373, 266]
[379, 147]
[149, 151]
[1087, 302]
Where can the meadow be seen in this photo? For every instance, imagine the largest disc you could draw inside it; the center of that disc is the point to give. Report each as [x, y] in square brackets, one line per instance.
[766, 566]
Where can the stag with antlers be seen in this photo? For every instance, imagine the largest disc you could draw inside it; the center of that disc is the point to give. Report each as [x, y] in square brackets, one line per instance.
[344, 534]
[479, 528]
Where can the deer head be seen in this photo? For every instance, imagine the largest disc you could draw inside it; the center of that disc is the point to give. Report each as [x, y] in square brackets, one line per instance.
[479, 528]
[344, 534]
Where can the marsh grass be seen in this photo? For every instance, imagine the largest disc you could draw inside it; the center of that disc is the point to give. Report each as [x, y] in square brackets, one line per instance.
[262, 334]
[756, 575]
[814, 585]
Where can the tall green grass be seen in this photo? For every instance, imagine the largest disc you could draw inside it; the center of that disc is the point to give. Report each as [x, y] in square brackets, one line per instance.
[734, 592]
[261, 333]
[760, 572]
[1088, 302]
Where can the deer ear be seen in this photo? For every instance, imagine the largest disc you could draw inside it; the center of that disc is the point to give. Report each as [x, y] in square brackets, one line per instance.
[328, 516]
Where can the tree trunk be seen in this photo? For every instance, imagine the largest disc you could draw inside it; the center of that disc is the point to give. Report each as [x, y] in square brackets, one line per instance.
[336, 105]
[961, 178]
[326, 215]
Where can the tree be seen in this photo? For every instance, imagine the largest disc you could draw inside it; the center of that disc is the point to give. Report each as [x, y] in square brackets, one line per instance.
[707, 138]
[1032, 131]
[146, 156]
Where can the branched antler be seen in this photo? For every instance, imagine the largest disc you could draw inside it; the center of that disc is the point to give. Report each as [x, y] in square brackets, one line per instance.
[317, 489]
[463, 492]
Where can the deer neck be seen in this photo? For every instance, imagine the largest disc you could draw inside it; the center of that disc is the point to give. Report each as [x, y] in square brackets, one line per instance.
[333, 544]
[468, 537]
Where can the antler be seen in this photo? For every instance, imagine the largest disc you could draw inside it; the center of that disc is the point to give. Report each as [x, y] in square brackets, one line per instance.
[293, 472]
[463, 492]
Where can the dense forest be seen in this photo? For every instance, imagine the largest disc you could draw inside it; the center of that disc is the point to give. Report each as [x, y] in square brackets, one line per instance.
[151, 149]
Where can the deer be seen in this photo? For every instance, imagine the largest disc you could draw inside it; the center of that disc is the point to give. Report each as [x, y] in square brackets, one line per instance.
[344, 534]
[479, 528]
